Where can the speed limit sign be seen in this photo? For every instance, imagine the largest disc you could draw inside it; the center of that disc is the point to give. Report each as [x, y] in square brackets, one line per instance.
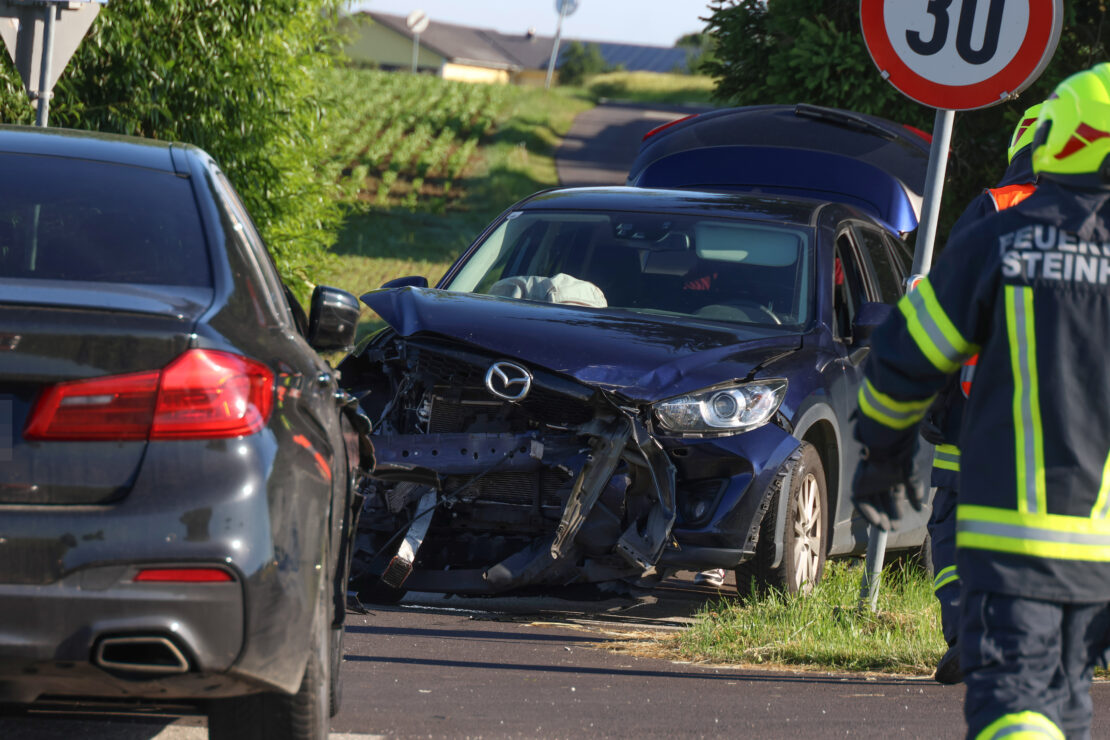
[961, 54]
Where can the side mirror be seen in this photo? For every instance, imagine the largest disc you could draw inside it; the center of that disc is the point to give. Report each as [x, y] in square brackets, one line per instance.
[870, 316]
[332, 320]
[412, 281]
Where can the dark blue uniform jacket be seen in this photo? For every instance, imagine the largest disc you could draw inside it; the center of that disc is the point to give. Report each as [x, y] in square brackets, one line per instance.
[1029, 290]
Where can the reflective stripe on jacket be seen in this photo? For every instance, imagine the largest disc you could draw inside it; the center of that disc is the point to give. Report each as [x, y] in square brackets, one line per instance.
[1026, 288]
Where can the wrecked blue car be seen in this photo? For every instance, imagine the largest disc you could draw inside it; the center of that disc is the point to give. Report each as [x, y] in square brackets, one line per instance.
[615, 383]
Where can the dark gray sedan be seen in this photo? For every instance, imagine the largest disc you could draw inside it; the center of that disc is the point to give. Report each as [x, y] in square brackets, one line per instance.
[177, 465]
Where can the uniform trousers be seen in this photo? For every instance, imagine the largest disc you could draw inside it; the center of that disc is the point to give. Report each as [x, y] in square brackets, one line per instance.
[1028, 665]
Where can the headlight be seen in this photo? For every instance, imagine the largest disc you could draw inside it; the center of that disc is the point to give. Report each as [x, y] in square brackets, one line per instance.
[734, 408]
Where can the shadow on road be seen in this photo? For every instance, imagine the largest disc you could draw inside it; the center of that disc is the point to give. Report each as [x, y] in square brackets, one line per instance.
[700, 675]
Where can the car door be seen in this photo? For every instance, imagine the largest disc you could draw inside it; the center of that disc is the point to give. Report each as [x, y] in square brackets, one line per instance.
[885, 272]
[852, 287]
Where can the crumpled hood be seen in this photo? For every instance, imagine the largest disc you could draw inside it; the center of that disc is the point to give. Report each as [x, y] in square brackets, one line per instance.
[638, 356]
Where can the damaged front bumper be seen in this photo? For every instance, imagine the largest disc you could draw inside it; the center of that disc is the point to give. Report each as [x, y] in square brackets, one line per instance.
[611, 519]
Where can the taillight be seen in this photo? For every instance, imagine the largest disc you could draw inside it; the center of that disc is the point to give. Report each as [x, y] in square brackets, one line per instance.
[212, 394]
[927, 137]
[118, 407]
[667, 125]
[182, 575]
[201, 394]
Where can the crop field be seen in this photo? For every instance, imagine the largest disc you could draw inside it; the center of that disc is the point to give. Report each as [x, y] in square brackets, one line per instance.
[400, 139]
[423, 164]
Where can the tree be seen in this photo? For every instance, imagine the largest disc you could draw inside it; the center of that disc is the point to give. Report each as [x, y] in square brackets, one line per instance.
[235, 78]
[699, 50]
[812, 51]
[580, 61]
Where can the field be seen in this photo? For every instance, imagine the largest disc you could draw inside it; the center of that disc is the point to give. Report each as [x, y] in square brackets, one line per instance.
[423, 164]
[650, 87]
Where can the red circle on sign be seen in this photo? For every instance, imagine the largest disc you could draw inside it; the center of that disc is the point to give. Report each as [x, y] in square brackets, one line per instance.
[1041, 37]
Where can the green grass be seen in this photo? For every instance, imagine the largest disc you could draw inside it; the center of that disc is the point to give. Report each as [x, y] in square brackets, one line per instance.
[651, 87]
[825, 630]
[421, 230]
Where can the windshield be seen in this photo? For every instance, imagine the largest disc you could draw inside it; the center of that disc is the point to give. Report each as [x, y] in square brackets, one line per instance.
[710, 268]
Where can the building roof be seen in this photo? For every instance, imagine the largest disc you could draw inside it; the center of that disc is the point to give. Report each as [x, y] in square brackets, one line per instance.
[489, 48]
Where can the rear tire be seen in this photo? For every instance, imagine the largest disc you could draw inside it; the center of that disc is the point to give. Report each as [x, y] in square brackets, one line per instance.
[804, 540]
[279, 716]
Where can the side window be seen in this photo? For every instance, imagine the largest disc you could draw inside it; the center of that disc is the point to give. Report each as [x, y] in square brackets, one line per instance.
[272, 291]
[848, 290]
[880, 264]
[902, 254]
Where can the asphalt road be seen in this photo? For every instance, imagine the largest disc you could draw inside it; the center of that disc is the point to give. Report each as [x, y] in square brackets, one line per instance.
[540, 668]
[603, 141]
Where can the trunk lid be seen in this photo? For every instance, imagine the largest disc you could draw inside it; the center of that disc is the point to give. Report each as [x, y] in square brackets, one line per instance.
[54, 331]
[807, 150]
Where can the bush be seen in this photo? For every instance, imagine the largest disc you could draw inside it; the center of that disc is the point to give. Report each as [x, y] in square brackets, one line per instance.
[235, 78]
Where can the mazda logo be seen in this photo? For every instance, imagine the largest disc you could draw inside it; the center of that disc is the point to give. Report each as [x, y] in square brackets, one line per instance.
[508, 380]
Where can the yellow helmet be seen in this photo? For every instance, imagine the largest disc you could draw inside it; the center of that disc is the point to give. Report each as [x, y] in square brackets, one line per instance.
[1072, 140]
[1023, 132]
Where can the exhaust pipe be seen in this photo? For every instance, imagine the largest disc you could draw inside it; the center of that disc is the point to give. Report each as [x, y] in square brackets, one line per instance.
[152, 655]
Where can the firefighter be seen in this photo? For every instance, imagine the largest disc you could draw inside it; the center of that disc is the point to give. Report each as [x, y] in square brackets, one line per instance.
[1028, 289]
[941, 425]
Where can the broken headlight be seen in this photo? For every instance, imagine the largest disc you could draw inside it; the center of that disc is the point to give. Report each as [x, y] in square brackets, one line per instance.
[733, 408]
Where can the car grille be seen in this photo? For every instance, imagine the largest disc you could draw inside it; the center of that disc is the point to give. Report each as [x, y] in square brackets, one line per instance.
[460, 392]
[518, 489]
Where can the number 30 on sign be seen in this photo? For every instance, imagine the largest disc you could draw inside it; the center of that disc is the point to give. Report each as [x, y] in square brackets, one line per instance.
[961, 54]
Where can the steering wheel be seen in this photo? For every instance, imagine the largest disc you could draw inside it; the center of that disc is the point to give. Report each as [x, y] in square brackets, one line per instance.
[761, 307]
[743, 306]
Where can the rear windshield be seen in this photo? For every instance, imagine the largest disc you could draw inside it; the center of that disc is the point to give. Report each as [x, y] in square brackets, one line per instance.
[71, 219]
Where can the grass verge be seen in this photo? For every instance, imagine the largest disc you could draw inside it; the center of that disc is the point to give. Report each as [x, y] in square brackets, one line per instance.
[822, 631]
[653, 87]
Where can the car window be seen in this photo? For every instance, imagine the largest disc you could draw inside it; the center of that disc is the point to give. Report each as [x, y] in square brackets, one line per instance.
[880, 264]
[271, 291]
[712, 268]
[848, 289]
[902, 254]
[72, 219]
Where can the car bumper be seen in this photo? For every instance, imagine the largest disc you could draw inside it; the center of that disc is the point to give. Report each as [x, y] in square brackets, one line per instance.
[733, 477]
[97, 632]
[67, 578]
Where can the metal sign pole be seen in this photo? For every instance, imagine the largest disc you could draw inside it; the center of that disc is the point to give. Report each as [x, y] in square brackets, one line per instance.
[555, 47]
[922, 260]
[44, 93]
[41, 36]
[934, 188]
[415, 50]
[873, 569]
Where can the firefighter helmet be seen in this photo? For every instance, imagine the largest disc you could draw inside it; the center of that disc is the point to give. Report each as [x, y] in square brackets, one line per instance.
[1072, 140]
[1023, 132]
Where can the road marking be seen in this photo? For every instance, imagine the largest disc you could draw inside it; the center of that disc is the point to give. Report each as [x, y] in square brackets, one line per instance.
[201, 733]
[48, 728]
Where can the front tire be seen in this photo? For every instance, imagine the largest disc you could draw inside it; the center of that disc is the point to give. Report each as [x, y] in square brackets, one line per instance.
[802, 479]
